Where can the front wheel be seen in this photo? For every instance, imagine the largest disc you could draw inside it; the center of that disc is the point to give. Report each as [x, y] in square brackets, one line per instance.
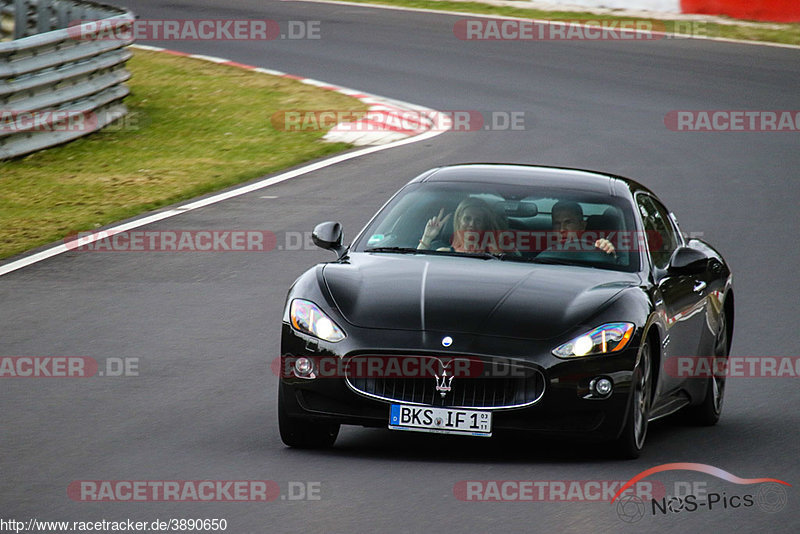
[304, 434]
[631, 442]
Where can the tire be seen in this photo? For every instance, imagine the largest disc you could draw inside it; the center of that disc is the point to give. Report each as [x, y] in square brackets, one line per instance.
[630, 443]
[707, 413]
[304, 434]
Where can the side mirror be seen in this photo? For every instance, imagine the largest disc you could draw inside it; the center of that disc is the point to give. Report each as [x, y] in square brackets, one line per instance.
[328, 235]
[687, 260]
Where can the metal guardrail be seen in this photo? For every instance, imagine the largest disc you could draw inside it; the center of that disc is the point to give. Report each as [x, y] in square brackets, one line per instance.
[62, 76]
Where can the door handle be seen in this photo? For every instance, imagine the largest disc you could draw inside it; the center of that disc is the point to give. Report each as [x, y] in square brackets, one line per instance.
[699, 286]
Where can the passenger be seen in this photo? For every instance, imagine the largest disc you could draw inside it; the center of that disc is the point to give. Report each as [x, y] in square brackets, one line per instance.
[473, 221]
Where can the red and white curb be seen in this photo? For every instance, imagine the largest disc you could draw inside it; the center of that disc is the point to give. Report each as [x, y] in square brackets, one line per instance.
[386, 121]
[390, 139]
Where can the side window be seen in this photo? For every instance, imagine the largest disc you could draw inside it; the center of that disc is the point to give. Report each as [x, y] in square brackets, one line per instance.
[662, 238]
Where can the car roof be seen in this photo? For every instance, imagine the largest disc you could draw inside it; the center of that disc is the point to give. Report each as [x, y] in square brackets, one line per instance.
[547, 176]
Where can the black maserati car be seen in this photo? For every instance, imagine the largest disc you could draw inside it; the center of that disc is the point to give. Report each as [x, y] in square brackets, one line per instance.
[485, 298]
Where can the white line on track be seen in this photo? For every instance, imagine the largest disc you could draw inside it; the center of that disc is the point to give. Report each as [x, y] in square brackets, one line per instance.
[261, 184]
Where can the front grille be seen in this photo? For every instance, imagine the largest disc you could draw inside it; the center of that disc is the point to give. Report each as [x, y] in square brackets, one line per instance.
[501, 384]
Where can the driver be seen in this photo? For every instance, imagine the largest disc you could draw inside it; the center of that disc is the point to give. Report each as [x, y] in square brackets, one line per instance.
[568, 221]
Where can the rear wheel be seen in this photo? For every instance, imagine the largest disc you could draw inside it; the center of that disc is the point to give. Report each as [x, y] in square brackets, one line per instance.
[631, 442]
[301, 433]
[707, 412]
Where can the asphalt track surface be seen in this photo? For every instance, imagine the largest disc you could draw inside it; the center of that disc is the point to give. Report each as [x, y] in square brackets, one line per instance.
[204, 326]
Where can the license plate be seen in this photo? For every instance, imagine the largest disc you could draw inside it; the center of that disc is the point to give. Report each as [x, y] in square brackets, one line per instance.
[440, 420]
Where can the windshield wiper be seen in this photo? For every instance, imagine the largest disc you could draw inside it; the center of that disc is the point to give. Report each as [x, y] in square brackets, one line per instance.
[410, 250]
[399, 250]
[483, 255]
[556, 261]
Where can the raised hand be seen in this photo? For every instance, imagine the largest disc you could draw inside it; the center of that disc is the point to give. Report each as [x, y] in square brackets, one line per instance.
[433, 228]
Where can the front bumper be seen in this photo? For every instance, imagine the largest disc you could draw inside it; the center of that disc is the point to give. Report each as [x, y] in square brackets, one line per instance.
[567, 406]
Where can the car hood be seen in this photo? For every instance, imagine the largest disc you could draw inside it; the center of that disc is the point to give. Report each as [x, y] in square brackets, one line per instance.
[469, 295]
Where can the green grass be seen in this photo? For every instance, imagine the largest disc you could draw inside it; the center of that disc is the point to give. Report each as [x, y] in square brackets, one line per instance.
[193, 127]
[767, 31]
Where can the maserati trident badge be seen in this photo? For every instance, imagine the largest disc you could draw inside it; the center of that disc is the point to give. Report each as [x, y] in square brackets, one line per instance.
[443, 382]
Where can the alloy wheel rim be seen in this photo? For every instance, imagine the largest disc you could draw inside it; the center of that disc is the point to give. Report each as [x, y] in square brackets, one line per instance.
[720, 353]
[642, 400]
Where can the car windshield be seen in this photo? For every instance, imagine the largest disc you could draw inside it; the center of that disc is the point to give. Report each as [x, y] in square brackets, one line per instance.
[508, 222]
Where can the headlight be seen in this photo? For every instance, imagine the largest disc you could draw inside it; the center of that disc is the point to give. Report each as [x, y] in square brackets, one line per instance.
[611, 337]
[306, 317]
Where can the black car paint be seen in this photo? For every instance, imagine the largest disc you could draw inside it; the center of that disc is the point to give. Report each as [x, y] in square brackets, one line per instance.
[516, 312]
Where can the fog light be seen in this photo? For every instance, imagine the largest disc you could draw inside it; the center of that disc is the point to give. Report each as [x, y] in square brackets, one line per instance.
[303, 366]
[603, 386]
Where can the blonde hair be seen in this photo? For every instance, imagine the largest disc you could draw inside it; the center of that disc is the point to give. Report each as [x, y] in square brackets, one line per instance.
[492, 220]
